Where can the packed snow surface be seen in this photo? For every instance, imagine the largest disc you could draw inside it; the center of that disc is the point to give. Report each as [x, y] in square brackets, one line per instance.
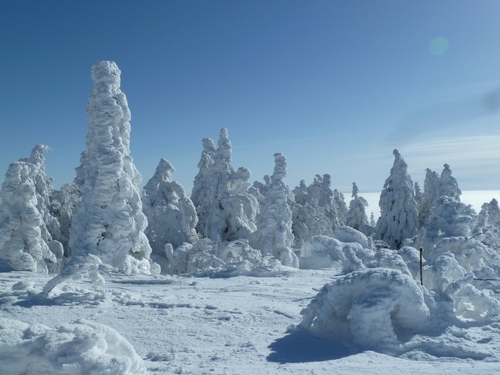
[238, 325]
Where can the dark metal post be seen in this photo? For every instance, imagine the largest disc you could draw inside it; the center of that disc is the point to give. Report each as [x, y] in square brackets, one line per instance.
[421, 273]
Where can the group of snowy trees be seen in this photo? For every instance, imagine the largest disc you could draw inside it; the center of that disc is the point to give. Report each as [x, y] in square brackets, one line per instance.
[226, 220]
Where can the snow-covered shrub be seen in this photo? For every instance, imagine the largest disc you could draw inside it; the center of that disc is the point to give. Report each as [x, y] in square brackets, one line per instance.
[373, 309]
[171, 215]
[77, 348]
[274, 223]
[398, 207]
[29, 233]
[108, 222]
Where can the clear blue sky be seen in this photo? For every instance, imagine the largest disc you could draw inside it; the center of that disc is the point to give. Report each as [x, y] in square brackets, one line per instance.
[334, 85]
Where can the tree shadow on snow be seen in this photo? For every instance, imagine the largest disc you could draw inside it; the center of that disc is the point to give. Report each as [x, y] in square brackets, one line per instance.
[299, 347]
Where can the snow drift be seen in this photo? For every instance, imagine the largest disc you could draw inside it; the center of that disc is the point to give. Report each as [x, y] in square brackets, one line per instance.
[81, 347]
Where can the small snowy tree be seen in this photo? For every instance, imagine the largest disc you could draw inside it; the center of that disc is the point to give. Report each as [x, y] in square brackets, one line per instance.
[429, 196]
[356, 216]
[274, 223]
[448, 217]
[226, 209]
[315, 210]
[171, 215]
[339, 200]
[108, 222]
[28, 231]
[448, 185]
[398, 208]
[201, 194]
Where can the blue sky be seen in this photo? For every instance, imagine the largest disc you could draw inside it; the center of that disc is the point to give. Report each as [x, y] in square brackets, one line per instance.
[334, 85]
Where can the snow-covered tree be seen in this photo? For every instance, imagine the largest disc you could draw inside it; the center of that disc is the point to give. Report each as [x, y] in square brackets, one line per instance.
[28, 231]
[398, 208]
[64, 202]
[274, 223]
[200, 194]
[429, 196]
[448, 216]
[339, 200]
[448, 185]
[109, 222]
[226, 209]
[171, 215]
[315, 210]
[356, 216]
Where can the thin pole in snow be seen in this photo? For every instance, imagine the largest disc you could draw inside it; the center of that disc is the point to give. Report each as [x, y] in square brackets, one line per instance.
[421, 275]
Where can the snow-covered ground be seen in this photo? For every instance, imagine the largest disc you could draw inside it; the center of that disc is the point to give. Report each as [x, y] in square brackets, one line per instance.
[204, 325]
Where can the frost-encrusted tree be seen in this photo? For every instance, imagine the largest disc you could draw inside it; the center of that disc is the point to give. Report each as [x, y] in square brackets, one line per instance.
[356, 216]
[274, 223]
[398, 208]
[201, 194]
[448, 185]
[171, 215]
[28, 231]
[448, 217]
[64, 202]
[339, 200]
[429, 196]
[109, 222]
[226, 210]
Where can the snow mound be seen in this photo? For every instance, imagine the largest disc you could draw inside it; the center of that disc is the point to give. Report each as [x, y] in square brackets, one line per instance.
[81, 347]
[373, 309]
[227, 259]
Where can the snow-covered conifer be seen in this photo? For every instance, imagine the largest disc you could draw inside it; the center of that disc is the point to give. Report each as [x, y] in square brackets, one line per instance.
[274, 223]
[448, 217]
[171, 215]
[201, 181]
[448, 185]
[339, 200]
[356, 216]
[398, 208]
[226, 209]
[28, 231]
[109, 222]
[429, 196]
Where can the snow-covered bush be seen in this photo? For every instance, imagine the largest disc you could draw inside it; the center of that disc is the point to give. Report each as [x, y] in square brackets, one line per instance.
[274, 223]
[373, 309]
[171, 215]
[108, 222]
[77, 348]
[398, 208]
[29, 233]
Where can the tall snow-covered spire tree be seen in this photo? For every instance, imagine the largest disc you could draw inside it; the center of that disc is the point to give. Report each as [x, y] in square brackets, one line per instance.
[274, 223]
[109, 222]
[29, 233]
[398, 208]
[171, 215]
